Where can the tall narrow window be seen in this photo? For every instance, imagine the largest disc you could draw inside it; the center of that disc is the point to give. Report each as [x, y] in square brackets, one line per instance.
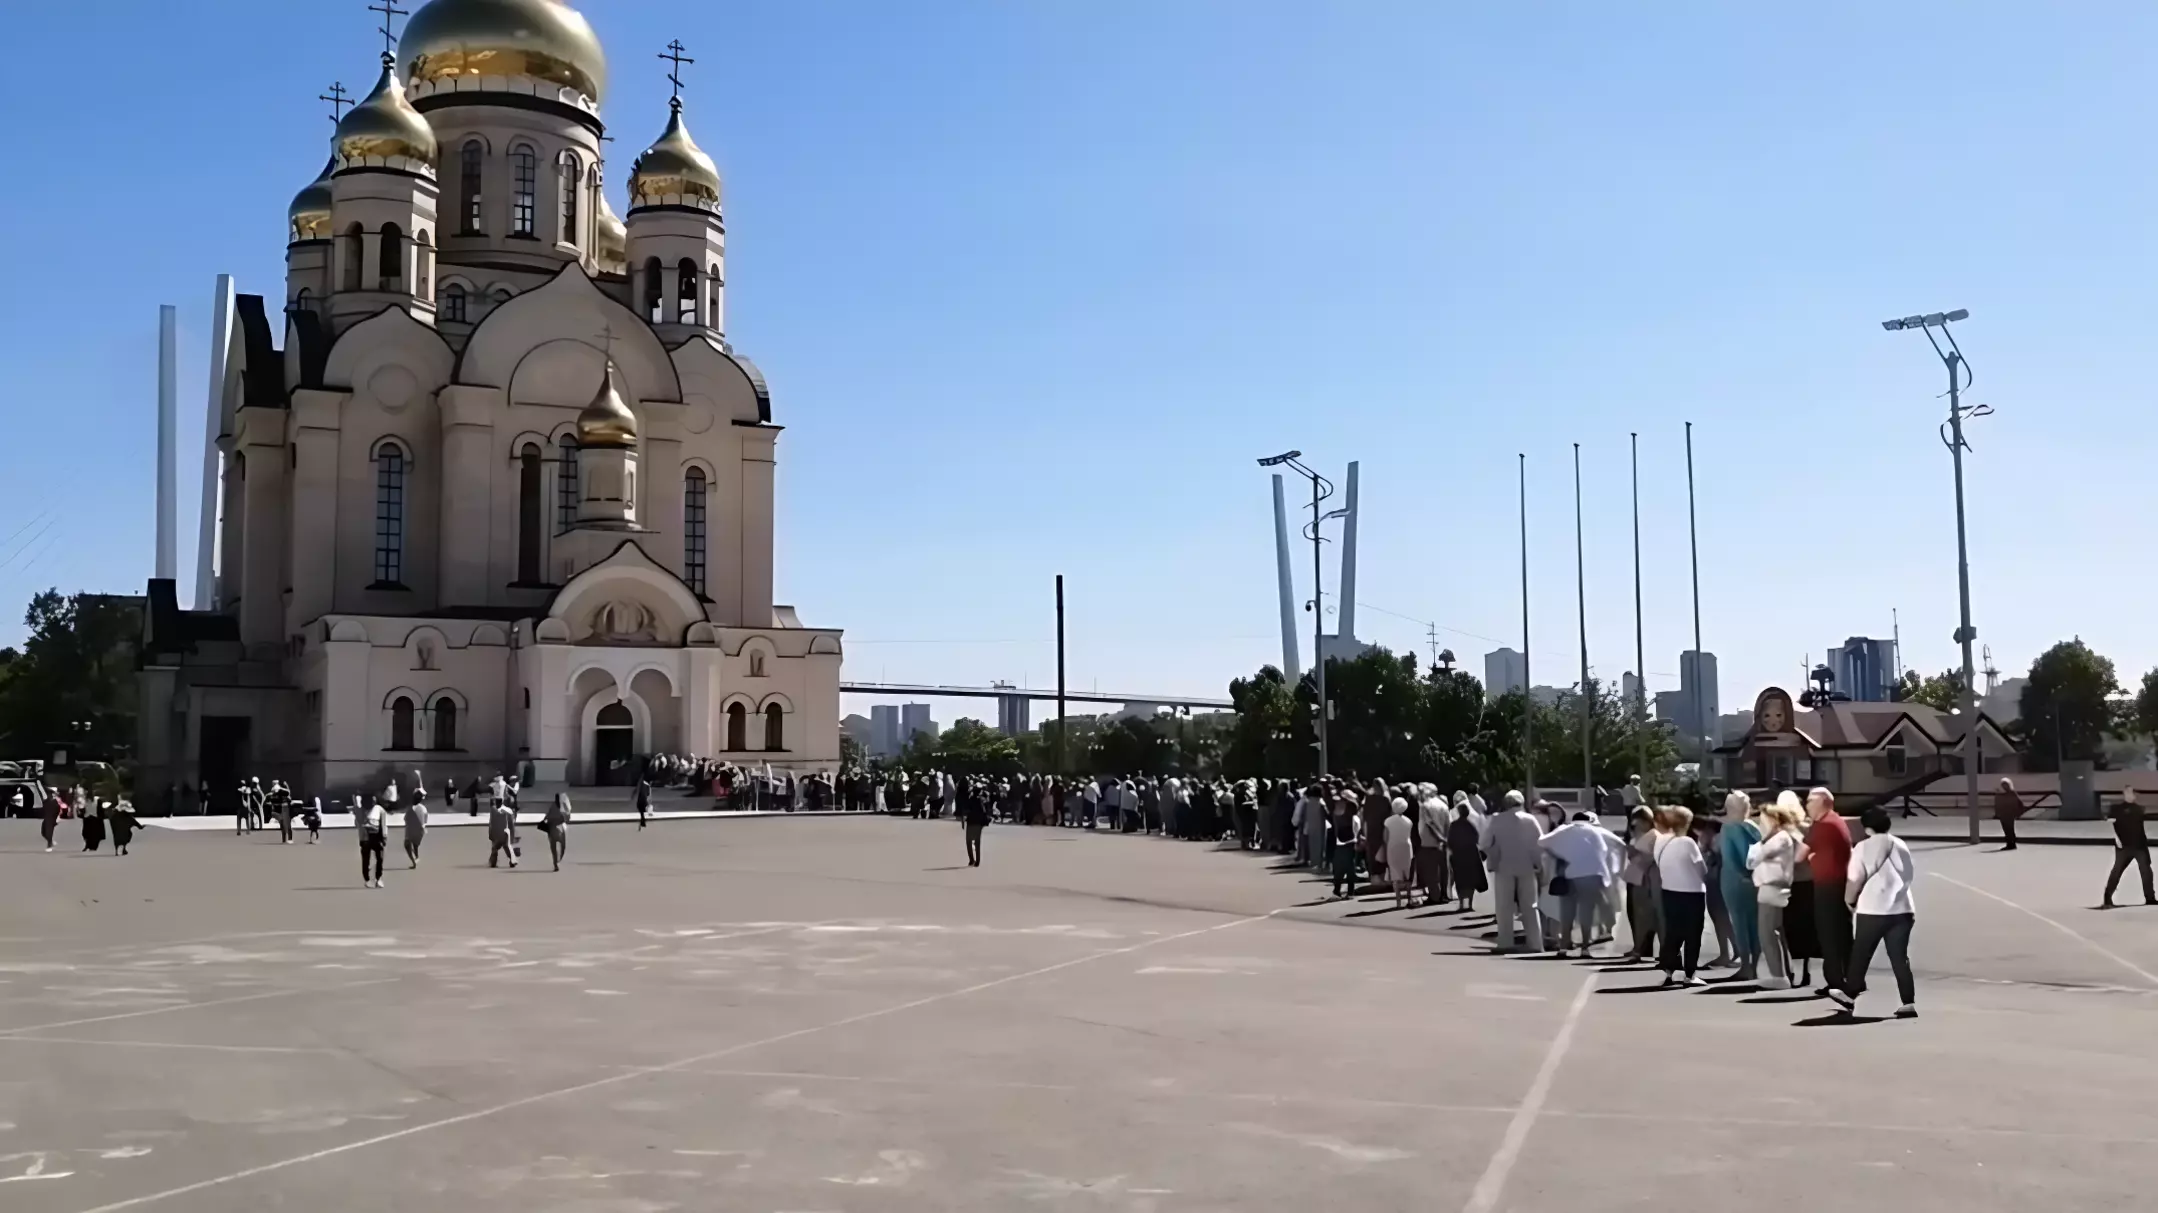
[389, 515]
[566, 486]
[304, 301]
[445, 723]
[654, 291]
[712, 288]
[392, 259]
[469, 198]
[685, 293]
[572, 179]
[355, 256]
[774, 728]
[423, 260]
[693, 532]
[529, 515]
[737, 728]
[453, 303]
[401, 724]
[524, 171]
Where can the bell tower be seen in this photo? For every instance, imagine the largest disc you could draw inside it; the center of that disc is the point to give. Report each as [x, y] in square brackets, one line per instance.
[677, 238]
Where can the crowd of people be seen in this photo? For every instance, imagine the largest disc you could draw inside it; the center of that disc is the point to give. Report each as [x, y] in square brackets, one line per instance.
[96, 815]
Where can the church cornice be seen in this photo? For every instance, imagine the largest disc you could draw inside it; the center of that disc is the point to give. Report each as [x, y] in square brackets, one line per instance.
[516, 101]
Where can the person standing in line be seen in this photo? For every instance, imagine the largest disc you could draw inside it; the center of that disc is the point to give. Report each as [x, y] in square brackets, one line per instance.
[53, 805]
[644, 801]
[1683, 874]
[1400, 851]
[556, 827]
[974, 818]
[1644, 895]
[1735, 879]
[2131, 845]
[1345, 837]
[2007, 806]
[239, 814]
[415, 828]
[501, 832]
[1880, 895]
[1513, 848]
[1828, 849]
[1580, 851]
[1774, 862]
[1462, 853]
[1705, 835]
[1431, 871]
[373, 826]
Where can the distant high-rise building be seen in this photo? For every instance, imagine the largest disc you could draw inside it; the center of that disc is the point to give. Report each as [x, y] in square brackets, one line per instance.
[884, 740]
[1629, 689]
[1691, 710]
[1865, 669]
[913, 719]
[1013, 712]
[1504, 671]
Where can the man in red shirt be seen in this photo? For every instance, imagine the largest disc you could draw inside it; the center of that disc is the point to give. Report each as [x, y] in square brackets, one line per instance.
[1828, 848]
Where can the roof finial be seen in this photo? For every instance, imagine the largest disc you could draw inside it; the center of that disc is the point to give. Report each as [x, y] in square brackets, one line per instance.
[675, 56]
[338, 99]
[390, 13]
[607, 339]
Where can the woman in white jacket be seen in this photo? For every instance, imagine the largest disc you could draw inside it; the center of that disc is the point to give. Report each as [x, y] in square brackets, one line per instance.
[1774, 861]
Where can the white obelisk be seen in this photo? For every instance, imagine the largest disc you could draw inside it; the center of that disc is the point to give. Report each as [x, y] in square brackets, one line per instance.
[1288, 585]
[1345, 622]
[168, 407]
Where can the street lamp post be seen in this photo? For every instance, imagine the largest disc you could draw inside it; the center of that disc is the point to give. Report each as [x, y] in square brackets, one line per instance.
[1321, 489]
[1959, 379]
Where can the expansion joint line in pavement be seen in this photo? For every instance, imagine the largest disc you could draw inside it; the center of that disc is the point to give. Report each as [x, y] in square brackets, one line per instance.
[1484, 1198]
[136, 1202]
[2063, 928]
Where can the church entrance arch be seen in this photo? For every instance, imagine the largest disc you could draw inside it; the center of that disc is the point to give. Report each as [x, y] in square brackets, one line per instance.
[614, 747]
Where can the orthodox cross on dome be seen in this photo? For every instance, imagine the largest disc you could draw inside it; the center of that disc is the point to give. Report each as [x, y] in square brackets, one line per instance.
[390, 13]
[338, 99]
[606, 337]
[675, 56]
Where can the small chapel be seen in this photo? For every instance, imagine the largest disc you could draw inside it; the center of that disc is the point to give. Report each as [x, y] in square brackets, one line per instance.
[497, 493]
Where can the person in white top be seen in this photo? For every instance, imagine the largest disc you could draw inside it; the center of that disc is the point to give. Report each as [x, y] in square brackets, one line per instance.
[1683, 873]
[1400, 851]
[1587, 855]
[1879, 892]
[374, 831]
[1774, 863]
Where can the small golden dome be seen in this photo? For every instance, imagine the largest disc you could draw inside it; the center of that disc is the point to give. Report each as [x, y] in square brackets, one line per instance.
[674, 171]
[607, 422]
[384, 131]
[456, 43]
[613, 250]
[310, 213]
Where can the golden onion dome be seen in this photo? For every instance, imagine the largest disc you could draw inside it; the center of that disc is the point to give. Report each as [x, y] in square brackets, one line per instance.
[674, 171]
[613, 250]
[456, 44]
[310, 213]
[384, 131]
[607, 422]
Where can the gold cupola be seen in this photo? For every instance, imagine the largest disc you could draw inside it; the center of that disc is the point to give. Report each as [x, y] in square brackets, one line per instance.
[309, 217]
[384, 131]
[607, 422]
[674, 171]
[485, 46]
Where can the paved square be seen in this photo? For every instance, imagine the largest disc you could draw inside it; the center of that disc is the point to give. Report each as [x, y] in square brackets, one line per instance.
[791, 1016]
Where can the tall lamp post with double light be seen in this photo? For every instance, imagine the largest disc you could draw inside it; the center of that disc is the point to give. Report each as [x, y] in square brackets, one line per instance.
[1321, 489]
[1959, 379]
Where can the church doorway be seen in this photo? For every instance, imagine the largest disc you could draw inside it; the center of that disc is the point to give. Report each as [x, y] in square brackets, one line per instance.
[614, 747]
[221, 759]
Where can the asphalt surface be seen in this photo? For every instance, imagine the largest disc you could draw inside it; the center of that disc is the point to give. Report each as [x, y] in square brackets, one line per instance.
[794, 1016]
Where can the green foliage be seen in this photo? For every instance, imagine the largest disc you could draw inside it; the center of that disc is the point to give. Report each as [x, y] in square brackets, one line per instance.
[1132, 746]
[969, 747]
[73, 683]
[2144, 708]
[1943, 691]
[2066, 706]
[850, 753]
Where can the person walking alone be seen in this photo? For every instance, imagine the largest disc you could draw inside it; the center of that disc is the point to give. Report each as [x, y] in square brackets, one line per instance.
[2007, 806]
[373, 822]
[2131, 845]
[974, 818]
[555, 825]
[644, 801]
[122, 816]
[415, 829]
[1881, 874]
[1828, 849]
[1684, 876]
[501, 832]
[53, 805]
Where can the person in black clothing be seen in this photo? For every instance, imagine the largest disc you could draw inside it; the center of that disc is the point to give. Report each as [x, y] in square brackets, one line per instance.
[644, 801]
[974, 815]
[2131, 844]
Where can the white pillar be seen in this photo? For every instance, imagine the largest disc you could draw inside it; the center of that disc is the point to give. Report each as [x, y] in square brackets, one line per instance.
[206, 529]
[1345, 623]
[1288, 585]
[168, 407]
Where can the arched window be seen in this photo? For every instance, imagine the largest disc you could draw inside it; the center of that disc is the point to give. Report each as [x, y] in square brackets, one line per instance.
[693, 530]
[654, 291]
[390, 515]
[529, 515]
[712, 288]
[685, 293]
[737, 728]
[756, 663]
[775, 734]
[524, 175]
[392, 258]
[401, 724]
[469, 198]
[304, 301]
[566, 486]
[445, 723]
[572, 178]
[453, 303]
[355, 255]
[423, 256]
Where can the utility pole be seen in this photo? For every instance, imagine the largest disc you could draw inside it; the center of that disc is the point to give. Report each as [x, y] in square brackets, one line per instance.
[1318, 621]
[1060, 674]
[1693, 544]
[1528, 684]
[1581, 593]
[1640, 652]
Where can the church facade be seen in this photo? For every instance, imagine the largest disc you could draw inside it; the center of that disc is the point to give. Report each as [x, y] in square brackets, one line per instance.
[497, 492]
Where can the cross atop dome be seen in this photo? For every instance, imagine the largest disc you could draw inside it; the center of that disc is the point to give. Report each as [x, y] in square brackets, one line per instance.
[390, 13]
[675, 56]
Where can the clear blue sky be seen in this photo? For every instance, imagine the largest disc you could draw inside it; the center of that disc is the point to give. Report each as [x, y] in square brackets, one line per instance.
[1035, 282]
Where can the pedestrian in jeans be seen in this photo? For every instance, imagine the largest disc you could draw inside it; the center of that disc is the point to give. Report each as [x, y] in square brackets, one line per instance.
[1828, 849]
[1582, 851]
[1879, 891]
[1684, 874]
[2130, 845]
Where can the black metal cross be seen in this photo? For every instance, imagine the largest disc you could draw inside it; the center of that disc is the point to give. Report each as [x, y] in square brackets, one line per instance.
[390, 13]
[606, 336]
[338, 99]
[675, 56]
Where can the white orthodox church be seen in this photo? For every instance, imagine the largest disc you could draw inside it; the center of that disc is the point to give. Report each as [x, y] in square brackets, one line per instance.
[497, 493]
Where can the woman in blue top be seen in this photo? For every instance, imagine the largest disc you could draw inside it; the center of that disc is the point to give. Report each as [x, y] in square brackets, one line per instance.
[1732, 844]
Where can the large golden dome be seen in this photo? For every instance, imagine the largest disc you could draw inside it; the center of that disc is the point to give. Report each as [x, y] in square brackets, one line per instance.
[607, 422]
[452, 42]
[384, 131]
[310, 213]
[674, 171]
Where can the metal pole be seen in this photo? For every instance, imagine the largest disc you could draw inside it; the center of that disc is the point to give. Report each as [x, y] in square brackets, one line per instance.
[1581, 592]
[1693, 544]
[1640, 652]
[1318, 619]
[1060, 674]
[1965, 633]
[1528, 698]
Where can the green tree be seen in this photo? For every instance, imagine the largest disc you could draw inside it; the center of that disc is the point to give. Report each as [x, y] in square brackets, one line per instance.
[970, 747]
[73, 683]
[2143, 709]
[1132, 746]
[1264, 739]
[2065, 707]
[851, 757]
[1943, 691]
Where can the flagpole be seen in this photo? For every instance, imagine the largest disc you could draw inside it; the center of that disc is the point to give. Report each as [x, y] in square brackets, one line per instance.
[1693, 543]
[1528, 700]
[1581, 592]
[1640, 651]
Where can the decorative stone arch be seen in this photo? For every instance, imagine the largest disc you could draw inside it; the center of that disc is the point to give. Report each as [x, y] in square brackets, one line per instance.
[640, 715]
[824, 646]
[489, 636]
[570, 307]
[674, 683]
[702, 635]
[390, 337]
[405, 691]
[628, 568]
[776, 697]
[412, 702]
[728, 740]
[348, 631]
[550, 631]
[426, 643]
[718, 385]
[757, 653]
[434, 720]
[771, 722]
[404, 447]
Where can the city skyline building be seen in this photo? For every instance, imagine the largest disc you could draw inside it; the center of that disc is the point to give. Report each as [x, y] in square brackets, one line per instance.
[1865, 669]
[1504, 670]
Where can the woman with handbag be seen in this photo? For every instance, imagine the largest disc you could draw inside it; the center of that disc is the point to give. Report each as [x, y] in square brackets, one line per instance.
[1774, 862]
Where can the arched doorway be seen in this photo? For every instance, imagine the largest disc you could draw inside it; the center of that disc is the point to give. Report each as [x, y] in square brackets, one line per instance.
[614, 747]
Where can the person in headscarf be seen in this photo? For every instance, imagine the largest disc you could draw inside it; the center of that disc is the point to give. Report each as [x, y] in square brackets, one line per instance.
[53, 807]
[122, 815]
[93, 824]
[1400, 845]
[1463, 852]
